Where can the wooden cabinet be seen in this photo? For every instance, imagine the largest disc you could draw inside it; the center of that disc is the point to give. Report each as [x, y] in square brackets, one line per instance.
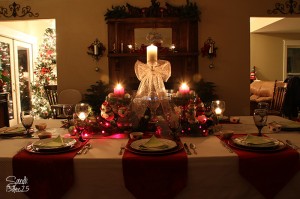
[4, 118]
[184, 60]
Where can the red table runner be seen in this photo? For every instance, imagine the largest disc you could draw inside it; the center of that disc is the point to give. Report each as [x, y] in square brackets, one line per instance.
[49, 175]
[268, 172]
[157, 177]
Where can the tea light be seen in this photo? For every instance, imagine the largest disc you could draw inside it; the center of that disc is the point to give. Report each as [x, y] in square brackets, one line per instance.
[151, 54]
[184, 89]
[218, 111]
[82, 115]
[119, 90]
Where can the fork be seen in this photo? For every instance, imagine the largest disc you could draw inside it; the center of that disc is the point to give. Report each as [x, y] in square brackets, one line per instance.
[122, 147]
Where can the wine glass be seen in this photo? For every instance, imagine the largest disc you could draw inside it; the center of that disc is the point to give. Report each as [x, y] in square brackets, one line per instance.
[172, 116]
[27, 118]
[82, 111]
[68, 111]
[153, 104]
[263, 105]
[260, 117]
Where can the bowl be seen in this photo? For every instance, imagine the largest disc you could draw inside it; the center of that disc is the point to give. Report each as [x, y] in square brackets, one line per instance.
[234, 119]
[136, 135]
[41, 126]
[44, 135]
[274, 127]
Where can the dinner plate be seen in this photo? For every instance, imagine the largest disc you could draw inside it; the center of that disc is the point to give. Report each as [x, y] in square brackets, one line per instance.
[12, 132]
[167, 152]
[50, 144]
[169, 143]
[31, 149]
[264, 143]
[279, 147]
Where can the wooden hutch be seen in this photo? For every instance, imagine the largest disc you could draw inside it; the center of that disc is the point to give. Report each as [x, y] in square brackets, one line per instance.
[121, 33]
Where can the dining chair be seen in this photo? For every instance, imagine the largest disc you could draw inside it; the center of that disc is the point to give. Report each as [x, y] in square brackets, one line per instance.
[278, 98]
[52, 96]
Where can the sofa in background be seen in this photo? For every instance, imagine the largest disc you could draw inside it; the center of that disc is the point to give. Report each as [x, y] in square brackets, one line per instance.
[260, 91]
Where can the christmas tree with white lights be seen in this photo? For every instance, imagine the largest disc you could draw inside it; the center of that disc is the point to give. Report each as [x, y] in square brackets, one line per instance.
[44, 74]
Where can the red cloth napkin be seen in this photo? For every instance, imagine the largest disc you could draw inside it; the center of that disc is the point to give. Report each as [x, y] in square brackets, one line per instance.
[155, 176]
[49, 176]
[268, 172]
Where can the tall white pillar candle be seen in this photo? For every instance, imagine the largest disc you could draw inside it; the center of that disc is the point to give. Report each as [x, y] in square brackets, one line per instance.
[151, 54]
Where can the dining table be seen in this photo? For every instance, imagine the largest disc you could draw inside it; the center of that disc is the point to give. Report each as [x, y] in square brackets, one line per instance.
[212, 172]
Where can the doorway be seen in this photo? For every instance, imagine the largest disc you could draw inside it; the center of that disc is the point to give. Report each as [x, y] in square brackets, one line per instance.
[19, 45]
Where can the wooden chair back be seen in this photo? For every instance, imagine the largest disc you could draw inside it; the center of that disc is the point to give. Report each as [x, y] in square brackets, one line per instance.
[278, 98]
[52, 95]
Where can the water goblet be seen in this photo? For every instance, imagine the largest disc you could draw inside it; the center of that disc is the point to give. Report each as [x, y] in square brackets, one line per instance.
[260, 117]
[27, 118]
[82, 111]
[68, 111]
[218, 108]
[153, 104]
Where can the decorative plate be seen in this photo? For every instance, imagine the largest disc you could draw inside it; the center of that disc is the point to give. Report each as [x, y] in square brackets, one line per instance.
[31, 149]
[179, 147]
[168, 144]
[256, 142]
[279, 147]
[53, 144]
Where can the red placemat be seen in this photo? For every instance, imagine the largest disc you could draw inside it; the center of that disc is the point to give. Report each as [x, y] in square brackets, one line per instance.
[268, 172]
[49, 175]
[162, 176]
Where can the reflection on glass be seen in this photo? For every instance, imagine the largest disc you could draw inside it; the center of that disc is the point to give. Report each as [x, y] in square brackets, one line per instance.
[23, 61]
[5, 66]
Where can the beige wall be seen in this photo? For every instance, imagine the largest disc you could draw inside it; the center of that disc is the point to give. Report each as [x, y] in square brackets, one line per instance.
[80, 22]
[267, 54]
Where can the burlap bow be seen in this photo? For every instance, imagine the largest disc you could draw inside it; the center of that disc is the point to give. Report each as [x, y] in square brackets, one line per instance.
[152, 77]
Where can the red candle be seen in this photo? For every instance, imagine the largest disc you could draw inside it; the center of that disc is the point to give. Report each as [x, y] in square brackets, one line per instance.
[119, 90]
[184, 89]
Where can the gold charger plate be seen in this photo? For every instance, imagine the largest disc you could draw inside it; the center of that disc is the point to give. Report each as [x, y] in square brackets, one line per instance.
[279, 147]
[169, 143]
[75, 146]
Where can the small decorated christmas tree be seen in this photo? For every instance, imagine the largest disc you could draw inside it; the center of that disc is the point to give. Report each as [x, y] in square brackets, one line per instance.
[44, 74]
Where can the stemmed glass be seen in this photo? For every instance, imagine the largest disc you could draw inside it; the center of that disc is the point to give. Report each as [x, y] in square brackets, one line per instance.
[68, 111]
[153, 104]
[82, 111]
[27, 118]
[171, 116]
[218, 108]
[260, 117]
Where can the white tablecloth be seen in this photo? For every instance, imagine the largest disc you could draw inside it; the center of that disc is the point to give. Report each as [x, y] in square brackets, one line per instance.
[212, 173]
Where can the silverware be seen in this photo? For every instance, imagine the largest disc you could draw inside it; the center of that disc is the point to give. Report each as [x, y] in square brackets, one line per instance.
[122, 147]
[82, 149]
[187, 149]
[87, 148]
[226, 146]
[193, 146]
[294, 146]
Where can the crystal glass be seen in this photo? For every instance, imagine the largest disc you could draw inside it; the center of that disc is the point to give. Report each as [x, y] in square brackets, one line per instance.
[172, 116]
[82, 111]
[263, 105]
[68, 111]
[153, 104]
[260, 117]
[218, 107]
[27, 118]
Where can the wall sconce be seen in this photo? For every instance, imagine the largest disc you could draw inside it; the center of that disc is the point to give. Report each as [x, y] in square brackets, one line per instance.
[96, 50]
[209, 50]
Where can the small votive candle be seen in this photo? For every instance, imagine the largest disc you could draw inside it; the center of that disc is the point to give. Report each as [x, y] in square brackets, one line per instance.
[119, 90]
[184, 88]
[218, 111]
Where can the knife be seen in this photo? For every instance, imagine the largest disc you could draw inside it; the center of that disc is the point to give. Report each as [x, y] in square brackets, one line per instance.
[187, 149]
[292, 145]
